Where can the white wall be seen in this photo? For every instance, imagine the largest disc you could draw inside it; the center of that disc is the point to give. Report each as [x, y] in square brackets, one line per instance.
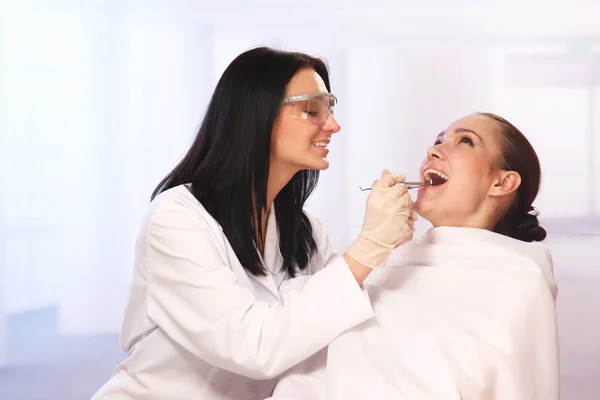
[99, 99]
[595, 133]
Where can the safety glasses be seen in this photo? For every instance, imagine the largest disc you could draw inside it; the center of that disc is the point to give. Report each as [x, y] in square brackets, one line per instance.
[314, 108]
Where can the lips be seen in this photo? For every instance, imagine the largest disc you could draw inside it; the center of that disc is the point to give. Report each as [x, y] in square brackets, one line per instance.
[435, 177]
[322, 143]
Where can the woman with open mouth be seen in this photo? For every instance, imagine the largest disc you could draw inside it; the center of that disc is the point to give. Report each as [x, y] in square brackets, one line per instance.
[467, 311]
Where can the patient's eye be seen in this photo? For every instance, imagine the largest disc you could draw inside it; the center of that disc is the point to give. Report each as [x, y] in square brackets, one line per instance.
[466, 139]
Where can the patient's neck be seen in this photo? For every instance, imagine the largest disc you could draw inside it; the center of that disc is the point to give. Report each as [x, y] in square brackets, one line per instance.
[478, 220]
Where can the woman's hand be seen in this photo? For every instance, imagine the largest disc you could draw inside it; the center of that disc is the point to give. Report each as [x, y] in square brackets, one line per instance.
[388, 222]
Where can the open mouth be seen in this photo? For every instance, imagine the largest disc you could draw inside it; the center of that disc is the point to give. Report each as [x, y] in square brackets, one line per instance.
[435, 177]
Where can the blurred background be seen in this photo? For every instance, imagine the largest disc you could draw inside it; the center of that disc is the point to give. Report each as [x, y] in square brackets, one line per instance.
[100, 98]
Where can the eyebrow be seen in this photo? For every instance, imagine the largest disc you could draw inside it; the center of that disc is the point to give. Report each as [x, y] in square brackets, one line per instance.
[461, 130]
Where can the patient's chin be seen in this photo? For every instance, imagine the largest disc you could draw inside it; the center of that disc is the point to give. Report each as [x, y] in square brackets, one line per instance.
[428, 208]
[421, 207]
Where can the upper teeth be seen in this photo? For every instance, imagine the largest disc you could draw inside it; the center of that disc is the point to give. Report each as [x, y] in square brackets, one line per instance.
[435, 171]
[320, 144]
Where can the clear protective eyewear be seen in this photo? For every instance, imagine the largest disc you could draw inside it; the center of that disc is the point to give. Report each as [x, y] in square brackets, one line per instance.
[314, 108]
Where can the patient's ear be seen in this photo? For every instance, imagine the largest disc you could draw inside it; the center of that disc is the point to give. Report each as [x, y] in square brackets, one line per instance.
[505, 183]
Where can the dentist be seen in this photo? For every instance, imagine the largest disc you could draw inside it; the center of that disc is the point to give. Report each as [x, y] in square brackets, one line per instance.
[226, 235]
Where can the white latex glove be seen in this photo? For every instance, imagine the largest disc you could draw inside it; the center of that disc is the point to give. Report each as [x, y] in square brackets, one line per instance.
[411, 226]
[388, 222]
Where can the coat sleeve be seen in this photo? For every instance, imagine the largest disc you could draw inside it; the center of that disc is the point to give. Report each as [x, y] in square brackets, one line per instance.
[193, 296]
[305, 381]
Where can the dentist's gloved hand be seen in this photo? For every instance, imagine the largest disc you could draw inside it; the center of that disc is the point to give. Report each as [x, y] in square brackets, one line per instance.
[388, 222]
[411, 225]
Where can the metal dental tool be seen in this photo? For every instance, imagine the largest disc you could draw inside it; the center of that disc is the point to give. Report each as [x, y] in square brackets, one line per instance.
[409, 185]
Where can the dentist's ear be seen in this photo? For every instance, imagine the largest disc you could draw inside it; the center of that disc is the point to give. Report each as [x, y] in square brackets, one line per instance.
[506, 183]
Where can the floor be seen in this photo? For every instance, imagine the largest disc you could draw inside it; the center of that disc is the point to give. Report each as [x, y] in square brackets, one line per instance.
[45, 366]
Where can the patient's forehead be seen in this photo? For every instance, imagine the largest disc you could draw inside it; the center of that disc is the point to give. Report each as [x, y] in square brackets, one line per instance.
[484, 126]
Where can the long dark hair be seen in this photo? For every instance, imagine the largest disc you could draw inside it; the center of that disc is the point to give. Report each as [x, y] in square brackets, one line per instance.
[517, 154]
[228, 162]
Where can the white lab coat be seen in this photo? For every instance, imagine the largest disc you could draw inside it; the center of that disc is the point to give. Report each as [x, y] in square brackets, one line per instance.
[461, 314]
[197, 326]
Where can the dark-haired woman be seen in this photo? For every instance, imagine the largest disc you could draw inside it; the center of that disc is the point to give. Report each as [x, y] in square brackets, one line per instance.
[226, 235]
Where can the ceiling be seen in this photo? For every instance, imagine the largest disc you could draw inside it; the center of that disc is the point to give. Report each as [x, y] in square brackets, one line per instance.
[372, 20]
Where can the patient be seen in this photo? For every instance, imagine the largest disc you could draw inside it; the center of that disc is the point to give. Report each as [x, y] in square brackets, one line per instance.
[467, 311]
